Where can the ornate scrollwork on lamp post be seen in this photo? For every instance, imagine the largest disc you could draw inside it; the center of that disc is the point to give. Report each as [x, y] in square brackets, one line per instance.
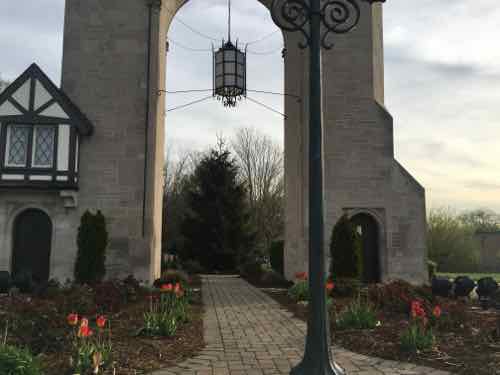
[316, 20]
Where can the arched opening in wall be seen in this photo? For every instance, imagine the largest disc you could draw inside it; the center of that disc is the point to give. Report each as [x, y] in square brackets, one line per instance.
[31, 246]
[253, 131]
[368, 229]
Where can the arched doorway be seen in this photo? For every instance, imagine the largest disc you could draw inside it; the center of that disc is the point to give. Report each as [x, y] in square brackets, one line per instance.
[32, 239]
[368, 229]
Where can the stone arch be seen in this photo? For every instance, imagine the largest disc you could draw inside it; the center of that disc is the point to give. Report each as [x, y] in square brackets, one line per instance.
[370, 226]
[31, 243]
[124, 158]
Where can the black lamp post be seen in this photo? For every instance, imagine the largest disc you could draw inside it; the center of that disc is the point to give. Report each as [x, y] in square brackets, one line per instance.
[316, 20]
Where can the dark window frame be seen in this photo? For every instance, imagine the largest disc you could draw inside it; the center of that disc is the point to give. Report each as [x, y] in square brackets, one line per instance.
[29, 156]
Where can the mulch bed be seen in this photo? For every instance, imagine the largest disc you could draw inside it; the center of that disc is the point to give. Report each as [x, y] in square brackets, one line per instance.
[470, 347]
[40, 324]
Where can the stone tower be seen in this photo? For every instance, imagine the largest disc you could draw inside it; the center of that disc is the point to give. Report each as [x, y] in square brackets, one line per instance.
[362, 178]
[114, 64]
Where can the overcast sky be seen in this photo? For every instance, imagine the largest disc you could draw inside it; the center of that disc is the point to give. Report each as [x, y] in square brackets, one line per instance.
[442, 82]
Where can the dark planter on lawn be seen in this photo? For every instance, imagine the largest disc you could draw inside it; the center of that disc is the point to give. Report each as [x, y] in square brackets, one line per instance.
[464, 285]
[441, 286]
[486, 287]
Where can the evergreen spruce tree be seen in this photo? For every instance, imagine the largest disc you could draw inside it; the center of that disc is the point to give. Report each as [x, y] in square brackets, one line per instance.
[216, 227]
[345, 250]
[92, 242]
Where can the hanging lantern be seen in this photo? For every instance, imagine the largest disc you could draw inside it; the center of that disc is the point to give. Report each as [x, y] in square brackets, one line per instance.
[230, 78]
[230, 70]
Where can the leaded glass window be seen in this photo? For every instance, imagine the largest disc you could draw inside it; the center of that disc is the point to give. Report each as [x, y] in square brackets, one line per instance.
[17, 145]
[43, 146]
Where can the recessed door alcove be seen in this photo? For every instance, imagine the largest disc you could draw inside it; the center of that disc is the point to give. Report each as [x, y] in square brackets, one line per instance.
[32, 238]
[368, 229]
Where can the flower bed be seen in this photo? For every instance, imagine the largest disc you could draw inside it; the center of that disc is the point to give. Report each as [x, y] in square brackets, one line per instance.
[411, 325]
[104, 325]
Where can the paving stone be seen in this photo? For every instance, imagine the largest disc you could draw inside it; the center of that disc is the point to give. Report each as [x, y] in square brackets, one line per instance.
[248, 333]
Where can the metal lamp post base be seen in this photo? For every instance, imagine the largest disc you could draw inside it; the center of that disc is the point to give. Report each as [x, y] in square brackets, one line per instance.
[315, 368]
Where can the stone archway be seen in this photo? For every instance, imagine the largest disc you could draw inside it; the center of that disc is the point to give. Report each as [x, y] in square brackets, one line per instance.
[369, 231]
[31, 244]
[116, 47]
[114, 65]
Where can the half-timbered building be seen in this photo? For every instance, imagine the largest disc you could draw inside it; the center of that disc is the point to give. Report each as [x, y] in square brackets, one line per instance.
[40, 132]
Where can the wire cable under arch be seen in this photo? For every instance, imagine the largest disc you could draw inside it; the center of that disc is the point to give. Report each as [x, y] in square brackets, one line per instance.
[267, 107]
[188, 48]
[265, 37]
[265, 53]
[199, 33]
[189, 104]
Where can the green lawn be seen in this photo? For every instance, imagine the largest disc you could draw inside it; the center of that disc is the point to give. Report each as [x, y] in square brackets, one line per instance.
[473, 276]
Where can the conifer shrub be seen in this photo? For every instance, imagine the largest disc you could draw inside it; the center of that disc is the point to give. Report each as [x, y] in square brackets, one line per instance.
[92, 242]
[276, 256]
[345, 251]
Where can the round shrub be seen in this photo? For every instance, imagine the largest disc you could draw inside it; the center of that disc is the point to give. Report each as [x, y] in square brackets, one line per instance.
[345, 251]
[276, 256]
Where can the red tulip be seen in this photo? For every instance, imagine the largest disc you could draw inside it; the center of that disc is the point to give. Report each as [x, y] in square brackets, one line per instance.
[101, 321]
[437, 311]
[330, 286]
[167, 287]
[85, 331]
[72, 319]
[301, 275]
[178, 290]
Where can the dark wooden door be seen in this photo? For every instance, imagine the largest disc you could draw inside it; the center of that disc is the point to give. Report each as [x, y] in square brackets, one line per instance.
[367, 227]
[32, 244]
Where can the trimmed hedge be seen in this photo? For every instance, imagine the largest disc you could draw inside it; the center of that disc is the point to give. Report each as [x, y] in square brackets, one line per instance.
[92, 243]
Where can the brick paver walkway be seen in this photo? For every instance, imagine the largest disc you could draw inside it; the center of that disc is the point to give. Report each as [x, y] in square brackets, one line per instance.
[248, 333]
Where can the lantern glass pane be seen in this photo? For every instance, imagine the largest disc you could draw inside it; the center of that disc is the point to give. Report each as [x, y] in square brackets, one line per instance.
[230, 80]
[241, 82]
[218, 56]
[230, 55]
[229, 68]
[219, 82]
[218, 69]
[241, 70]
[241, 58]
